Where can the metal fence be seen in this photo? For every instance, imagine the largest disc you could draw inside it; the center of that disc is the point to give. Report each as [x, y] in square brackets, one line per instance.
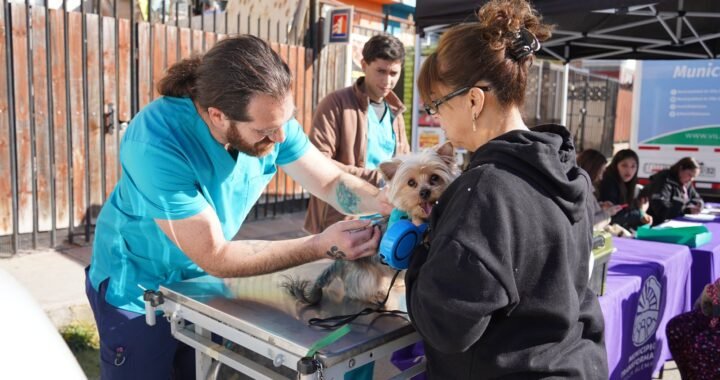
[70, 82]
[591, 107]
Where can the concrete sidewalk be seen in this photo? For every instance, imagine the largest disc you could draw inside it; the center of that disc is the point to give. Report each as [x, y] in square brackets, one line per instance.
[56, 278]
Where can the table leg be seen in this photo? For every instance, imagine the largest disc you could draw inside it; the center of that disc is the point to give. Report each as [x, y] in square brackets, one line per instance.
[203, 362]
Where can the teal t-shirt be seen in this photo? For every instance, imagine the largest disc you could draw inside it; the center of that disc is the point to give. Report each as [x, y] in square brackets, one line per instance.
[381, 138]
[172, 168]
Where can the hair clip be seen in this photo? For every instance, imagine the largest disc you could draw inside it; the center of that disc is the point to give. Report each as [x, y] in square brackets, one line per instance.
[524, 44]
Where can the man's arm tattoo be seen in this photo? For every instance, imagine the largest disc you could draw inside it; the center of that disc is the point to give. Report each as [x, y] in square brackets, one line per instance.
[347, 199]
[336, 253]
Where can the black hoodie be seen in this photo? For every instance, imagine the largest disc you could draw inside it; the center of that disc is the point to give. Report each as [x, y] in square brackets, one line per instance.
[502, 292]
[667, 197]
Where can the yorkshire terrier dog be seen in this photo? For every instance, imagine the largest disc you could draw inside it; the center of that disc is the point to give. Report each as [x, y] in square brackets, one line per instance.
[414, 184]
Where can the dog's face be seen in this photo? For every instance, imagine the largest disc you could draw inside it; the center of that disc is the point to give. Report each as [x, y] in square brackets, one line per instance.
[416, 181]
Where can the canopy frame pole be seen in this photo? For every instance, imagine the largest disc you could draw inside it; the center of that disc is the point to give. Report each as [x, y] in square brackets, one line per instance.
[563, 105]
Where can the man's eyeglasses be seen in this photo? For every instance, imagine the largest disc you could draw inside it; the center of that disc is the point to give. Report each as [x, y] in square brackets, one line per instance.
[432, 108]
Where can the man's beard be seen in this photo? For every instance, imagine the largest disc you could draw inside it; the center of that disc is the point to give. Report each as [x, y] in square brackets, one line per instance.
[259, 149]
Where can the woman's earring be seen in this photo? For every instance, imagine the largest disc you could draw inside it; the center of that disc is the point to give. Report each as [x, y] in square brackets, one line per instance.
[473, 121]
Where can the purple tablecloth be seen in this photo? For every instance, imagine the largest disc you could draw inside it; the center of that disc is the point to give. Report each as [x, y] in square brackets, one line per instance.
[647, 284]
[705, 262]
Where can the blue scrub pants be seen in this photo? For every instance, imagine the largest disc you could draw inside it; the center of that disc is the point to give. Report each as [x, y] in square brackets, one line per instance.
[130, 349]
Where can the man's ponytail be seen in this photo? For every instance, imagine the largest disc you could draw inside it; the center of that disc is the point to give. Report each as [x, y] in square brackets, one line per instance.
[180, 78]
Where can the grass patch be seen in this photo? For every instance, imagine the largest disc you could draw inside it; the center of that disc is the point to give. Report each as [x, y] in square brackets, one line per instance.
[81, 336]
[84, 342]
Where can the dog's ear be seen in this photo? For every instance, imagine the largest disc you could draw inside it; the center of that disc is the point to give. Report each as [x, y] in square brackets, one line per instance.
[389, 168]
[446, 151]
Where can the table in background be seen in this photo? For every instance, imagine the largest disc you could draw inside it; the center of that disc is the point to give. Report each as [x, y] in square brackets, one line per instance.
[647, 284]
[705, 262]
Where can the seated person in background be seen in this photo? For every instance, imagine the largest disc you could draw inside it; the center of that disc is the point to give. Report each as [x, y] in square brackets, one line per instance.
[593, 162]
[618, 186]
[694, 337]
[672, 193]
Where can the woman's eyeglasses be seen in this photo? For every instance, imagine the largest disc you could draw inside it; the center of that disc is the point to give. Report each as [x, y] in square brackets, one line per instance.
[432, 108]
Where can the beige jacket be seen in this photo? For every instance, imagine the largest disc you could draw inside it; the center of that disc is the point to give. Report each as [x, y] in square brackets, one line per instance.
[339, 130]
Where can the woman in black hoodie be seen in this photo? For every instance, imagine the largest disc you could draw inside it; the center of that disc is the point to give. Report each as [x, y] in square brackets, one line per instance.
[501, 288]
[672, 193]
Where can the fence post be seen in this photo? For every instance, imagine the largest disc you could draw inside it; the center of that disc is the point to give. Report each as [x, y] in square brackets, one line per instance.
[11, 120]
[31, 108]
[51, 126]
[133, 61]
[583, 113]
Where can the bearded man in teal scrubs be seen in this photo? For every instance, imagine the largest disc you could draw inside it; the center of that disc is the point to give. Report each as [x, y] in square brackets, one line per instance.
[194, 161]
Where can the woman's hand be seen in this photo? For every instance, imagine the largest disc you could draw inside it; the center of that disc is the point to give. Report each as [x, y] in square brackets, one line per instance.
[643, 204]
[347, 240]
[646, 219]
[694, 209]
[610, 208]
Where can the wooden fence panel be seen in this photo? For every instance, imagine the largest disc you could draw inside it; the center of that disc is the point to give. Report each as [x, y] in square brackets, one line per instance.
[185, 43]
[197, 42]
[23, 140]
[273, 186]
[77, 105]
[6, 209]
[292, 60]
[144, 73]
[42, 127]
[60, 117]
[171, 47]
[109, 75]
[196, 22]
[125, 97]
[309, 80]
[95, 111]
[220, 24]
[158, 56]
[76, 130]
[210, 39]
[208, 21]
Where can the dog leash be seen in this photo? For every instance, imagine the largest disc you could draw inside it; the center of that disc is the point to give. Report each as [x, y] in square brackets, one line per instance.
[340, 320]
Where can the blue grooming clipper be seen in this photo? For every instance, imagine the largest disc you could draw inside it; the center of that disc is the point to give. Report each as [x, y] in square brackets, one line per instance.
[399, 241]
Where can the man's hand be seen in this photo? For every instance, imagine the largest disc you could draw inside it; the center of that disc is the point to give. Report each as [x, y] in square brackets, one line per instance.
[347, 240]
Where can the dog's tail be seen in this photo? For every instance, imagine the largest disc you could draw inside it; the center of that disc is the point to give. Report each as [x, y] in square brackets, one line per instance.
[311, 295]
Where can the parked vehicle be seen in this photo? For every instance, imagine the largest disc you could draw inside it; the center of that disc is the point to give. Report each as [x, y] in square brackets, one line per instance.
[676, 113]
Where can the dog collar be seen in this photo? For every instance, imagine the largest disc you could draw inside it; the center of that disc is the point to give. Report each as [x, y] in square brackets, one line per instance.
[395, 215]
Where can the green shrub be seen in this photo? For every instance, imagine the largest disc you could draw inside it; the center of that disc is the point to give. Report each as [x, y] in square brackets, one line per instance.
[81, 336]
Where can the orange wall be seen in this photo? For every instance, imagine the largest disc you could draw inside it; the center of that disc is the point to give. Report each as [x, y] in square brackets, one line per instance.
[370, 5]
[623, 115]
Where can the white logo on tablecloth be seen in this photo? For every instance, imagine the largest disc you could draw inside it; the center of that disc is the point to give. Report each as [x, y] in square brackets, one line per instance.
[648, 309]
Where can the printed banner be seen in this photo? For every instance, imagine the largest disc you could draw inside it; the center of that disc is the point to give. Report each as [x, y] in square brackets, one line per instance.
[679, 102]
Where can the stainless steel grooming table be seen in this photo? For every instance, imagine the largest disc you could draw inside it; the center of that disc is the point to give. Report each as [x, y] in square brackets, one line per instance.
[256, 314]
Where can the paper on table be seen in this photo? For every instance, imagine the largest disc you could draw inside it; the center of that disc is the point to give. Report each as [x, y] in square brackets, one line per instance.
[701, 217]
[678, 224]
[710, 210]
